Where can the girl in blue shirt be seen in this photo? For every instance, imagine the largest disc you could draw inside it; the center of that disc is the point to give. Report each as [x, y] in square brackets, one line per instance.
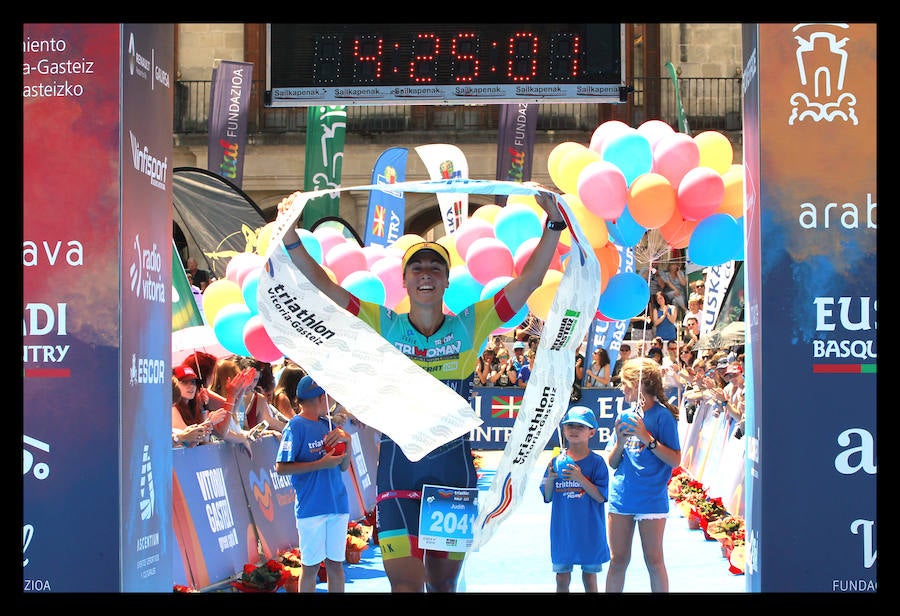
[643, 450]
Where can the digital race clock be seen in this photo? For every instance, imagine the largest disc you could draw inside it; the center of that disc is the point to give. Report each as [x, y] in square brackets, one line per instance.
[409, 64]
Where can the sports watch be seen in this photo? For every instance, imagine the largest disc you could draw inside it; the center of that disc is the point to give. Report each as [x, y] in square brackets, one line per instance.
[653, 443]
[556, 225]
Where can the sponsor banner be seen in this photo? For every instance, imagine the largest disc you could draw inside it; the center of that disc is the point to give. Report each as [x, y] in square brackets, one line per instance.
[325, 129]
[386, 216]
[229, 110]
[718, 281]
[811, 193]
[270, 496]
[211, 521]
[517, 125]
[447, 162]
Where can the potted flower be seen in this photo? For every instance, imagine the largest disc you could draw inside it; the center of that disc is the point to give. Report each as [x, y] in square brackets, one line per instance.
[709, 510]
[291, 561]
[357, 541]
[267, 577]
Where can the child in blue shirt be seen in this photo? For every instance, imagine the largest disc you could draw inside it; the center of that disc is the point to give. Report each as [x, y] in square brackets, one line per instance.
[576, 486]
[314, 455]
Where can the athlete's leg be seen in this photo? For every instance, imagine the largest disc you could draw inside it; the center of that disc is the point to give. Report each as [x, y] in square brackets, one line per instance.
[406, 574]
[442, 571]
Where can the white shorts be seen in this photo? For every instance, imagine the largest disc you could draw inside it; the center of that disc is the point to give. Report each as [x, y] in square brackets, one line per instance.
[323, 536]
[644, 516]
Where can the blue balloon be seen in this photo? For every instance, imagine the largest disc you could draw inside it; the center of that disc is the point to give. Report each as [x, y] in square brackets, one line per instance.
[715, 240]
[626, 296]
[625, 232]
[229, 327]
[249, 288]
[516, 223]
[463, 291]
[366, 286]
[631, 153]
[311, 243]
[739, 253]
[491, 288]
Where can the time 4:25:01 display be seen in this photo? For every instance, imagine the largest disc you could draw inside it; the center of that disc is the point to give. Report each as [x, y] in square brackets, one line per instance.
[445, 54]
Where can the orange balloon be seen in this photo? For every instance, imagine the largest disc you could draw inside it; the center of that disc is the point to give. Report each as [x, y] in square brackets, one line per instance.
[651, 200]
[540, 301]
[733, 200]
[608, 256]
[677, 231]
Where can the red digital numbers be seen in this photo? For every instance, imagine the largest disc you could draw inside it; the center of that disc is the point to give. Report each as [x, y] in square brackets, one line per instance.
[367, 58]
[423, 65]
[464, 54]
[521, 63]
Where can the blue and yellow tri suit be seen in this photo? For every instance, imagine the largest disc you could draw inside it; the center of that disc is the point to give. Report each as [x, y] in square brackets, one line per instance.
[450, 356]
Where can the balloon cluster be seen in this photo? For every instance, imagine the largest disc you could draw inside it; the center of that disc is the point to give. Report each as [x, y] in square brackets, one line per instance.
[629, 181]
[624, 183]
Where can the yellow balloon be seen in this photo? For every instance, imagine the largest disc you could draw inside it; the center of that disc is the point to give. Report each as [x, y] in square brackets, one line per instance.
[449, 242]
[733, 200]
[487, 211]
[403, 242]
[571, 166]
[403, 305]
[715, 151]
[218, 294]
[540, 301]
[330, 273]
[555, 158]
[263, 238]
[593, 227]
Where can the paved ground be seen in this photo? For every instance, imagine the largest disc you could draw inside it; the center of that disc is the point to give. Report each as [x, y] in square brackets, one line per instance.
[517, 557]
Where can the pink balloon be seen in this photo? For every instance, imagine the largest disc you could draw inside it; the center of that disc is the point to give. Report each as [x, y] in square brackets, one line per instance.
[700, 193]
[523, 252]
[373, 252]
[674, 156]
[606, 132]
[329, 237]
[344, 259]
[257, 341]
[388, 271]
[602, 189]
[489, 258]
[655, 130]
[470, 230]
[242, 264]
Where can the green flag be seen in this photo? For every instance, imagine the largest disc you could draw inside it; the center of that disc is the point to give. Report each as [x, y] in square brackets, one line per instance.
[325, 128]
[185, 312]
[682, 119]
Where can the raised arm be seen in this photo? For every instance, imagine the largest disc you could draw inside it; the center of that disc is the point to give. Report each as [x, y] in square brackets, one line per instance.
[306, 264]
[522, 286]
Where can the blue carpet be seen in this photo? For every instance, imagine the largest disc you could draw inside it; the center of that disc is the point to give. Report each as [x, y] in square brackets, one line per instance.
[517, 557]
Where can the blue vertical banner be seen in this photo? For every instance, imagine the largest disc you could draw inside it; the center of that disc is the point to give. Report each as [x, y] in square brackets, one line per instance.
[386, 216]
[229, 111]
[810, 108]
[603, 332]
[516, 130]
